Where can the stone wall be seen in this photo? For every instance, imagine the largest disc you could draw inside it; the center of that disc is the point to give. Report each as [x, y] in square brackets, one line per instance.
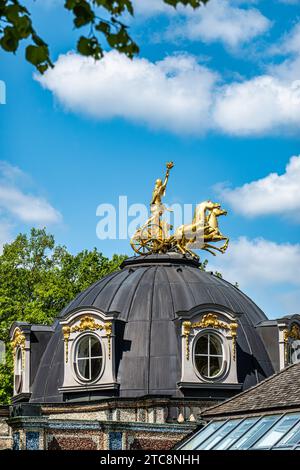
[34, 433]
[121, 439]
[5, 430]
[147, 424]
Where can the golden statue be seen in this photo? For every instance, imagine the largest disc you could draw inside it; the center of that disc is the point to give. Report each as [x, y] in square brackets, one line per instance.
[154, 236]
[160, 187]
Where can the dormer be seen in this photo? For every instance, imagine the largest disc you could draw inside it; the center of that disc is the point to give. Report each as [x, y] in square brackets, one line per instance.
[89, 353]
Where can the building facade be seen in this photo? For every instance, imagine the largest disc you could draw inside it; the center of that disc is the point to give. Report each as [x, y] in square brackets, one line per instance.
[265, 417]
[134, 360]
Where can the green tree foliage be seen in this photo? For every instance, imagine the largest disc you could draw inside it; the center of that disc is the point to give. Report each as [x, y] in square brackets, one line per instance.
[101, 20]
[37, 280]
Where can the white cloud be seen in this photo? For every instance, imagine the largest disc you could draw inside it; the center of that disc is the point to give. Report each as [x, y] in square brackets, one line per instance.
[176, 94]
[221, 21]
[218, 21]
[264, 104]
[260, 261]
[5, 233]
[149, 8]
[26, 207]
[274, 194]
[290, 43]
[269, 272]
[261, 105]
[21, 205]
[173, 94]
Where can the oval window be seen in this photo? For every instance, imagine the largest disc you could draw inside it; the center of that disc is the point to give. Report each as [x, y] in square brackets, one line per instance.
[89, 358]
[209, 356]
[294, 352]
[19, 371]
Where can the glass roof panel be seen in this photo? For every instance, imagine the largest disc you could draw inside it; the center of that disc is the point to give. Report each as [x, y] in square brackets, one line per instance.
[260, 428]
[291, 438]
[275, 433]
[216, 437]
[202, 435]
[236, 434]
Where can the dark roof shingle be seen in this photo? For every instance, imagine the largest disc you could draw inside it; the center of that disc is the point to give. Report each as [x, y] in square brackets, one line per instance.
[280, 391]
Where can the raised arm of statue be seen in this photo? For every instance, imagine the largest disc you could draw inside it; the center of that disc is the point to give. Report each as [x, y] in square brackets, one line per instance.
[160, 187]
[169, 167]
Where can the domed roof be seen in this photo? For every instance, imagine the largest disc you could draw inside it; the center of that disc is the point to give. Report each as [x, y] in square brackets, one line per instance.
[148, 293]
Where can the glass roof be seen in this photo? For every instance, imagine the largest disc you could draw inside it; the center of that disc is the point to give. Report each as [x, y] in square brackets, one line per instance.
[269, 432]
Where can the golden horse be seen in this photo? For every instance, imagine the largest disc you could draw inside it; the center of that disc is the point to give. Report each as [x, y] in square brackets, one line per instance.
[213, 233]
[203, 230]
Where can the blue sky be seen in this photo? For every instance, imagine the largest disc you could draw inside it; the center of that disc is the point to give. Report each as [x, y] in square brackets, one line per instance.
[215, 91]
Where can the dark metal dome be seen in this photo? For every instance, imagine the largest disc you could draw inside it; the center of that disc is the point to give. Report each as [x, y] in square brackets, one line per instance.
[149, 292]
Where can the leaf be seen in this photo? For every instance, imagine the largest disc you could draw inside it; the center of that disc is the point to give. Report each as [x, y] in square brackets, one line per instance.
[9, 41]
[83, 46]
[89, 47]
[37, 54]
[23, 26]
[103, 27]
[84, 14]
[12, 12]
[70, 4]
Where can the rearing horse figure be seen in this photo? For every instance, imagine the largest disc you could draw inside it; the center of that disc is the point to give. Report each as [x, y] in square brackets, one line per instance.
[194, 233]
[213, 234]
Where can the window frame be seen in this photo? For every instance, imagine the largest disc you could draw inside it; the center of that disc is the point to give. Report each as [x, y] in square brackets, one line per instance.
[78, 377]
[225, 355]
[291, 346]
[19, 361]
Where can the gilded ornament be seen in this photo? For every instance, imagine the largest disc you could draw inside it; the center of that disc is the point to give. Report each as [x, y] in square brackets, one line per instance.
[86, 323]
[154, 235]
[210, 320]
[108, 329]
[66, 333]
[294, 334]
[90, 324]
[186, 333]
[18, 340]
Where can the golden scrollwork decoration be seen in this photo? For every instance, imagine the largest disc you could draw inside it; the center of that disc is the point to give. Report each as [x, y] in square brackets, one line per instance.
[294, 334]
[108, 329]
[186, 333]
[233, 328]
[66, 334]
[87, 323]
[18, 340]
[210, 320]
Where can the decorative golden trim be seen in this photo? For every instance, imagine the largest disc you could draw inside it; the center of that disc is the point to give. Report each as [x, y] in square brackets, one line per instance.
[66, 332]
[186, 333]
[210, 320]
[18, 340]
[108, 329]
[233, 329]
[293, 333]
[87, 323]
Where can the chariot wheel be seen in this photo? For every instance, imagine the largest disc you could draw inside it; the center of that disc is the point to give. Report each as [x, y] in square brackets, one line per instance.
[140, 246]
[149, 239]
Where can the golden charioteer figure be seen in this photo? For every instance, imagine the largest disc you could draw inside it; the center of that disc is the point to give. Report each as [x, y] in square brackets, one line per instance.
[154, 235]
